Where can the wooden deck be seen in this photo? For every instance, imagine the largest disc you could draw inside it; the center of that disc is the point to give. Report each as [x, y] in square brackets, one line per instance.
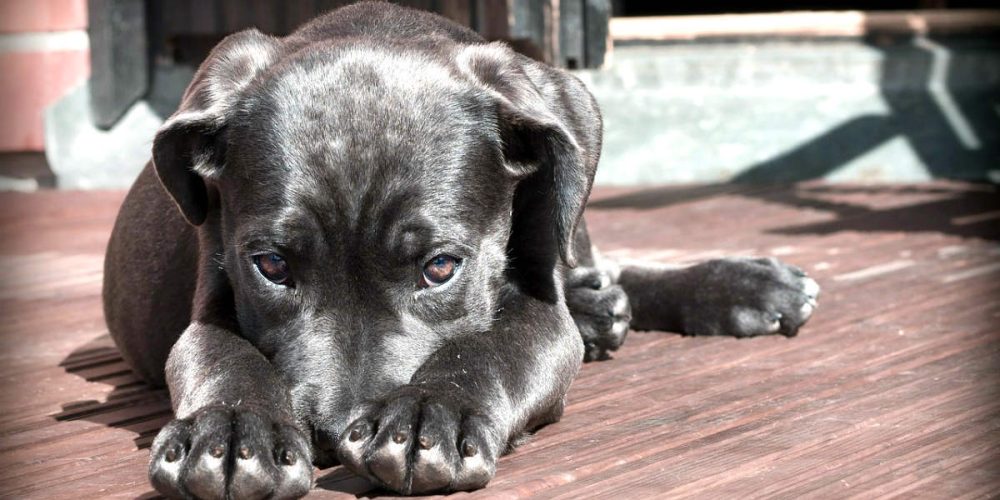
[893, 388]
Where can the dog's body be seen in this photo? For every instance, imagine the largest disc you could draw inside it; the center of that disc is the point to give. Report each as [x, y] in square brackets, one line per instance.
[372, 260]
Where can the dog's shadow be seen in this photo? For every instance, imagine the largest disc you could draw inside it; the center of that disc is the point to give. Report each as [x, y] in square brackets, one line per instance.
[131, 405]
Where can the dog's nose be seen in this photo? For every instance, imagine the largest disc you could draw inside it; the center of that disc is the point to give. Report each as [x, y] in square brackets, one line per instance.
[325, 447]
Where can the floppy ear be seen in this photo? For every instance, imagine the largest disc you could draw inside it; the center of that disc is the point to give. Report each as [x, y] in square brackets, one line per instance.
[551, 140]
[190, 147]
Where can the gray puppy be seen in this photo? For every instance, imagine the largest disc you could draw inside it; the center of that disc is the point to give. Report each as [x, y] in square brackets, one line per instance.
[362, 243]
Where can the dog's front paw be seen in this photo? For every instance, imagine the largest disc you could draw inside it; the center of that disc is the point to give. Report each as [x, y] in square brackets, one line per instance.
[746, 297]
[600, 310]
[230, 453]
[419, 441]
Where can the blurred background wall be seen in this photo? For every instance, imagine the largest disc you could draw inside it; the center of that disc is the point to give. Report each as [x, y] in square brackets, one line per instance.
[711, 91]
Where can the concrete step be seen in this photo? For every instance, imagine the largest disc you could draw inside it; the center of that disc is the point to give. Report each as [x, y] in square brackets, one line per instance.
[851, 109]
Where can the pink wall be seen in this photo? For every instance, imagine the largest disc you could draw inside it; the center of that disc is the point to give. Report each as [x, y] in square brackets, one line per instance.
[43, 54]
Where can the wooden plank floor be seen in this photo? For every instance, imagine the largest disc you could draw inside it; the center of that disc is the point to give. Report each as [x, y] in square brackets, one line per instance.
[892, 389]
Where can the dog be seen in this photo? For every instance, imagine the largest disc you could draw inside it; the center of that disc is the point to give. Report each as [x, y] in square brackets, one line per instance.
[362, 244]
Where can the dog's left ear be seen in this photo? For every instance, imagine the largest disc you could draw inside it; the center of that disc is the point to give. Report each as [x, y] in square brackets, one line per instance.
[190, 147]
[550, 130]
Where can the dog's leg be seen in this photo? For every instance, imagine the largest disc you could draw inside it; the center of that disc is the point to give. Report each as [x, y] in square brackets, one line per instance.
[445, 430]
[742, 297]
[235, 435]
[600, 308]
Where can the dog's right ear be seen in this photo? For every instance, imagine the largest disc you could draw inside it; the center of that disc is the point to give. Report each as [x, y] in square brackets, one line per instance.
[190, 147]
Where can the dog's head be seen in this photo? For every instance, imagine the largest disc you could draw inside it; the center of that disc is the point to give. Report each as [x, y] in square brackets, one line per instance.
[368, 202]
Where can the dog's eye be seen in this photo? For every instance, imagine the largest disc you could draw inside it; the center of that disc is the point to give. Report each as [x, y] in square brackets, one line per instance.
[273, 267]
[439, 270]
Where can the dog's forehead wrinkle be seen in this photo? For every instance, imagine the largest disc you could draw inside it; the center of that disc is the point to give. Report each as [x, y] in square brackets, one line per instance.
[383, 207]
[291, 226]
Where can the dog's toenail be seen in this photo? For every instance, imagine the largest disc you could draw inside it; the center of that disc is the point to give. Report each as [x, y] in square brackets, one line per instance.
[469, 450]
[288, 457]
[400, 437]
[426, 442]
[171, 455]
[217, 451]
[246, 453]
